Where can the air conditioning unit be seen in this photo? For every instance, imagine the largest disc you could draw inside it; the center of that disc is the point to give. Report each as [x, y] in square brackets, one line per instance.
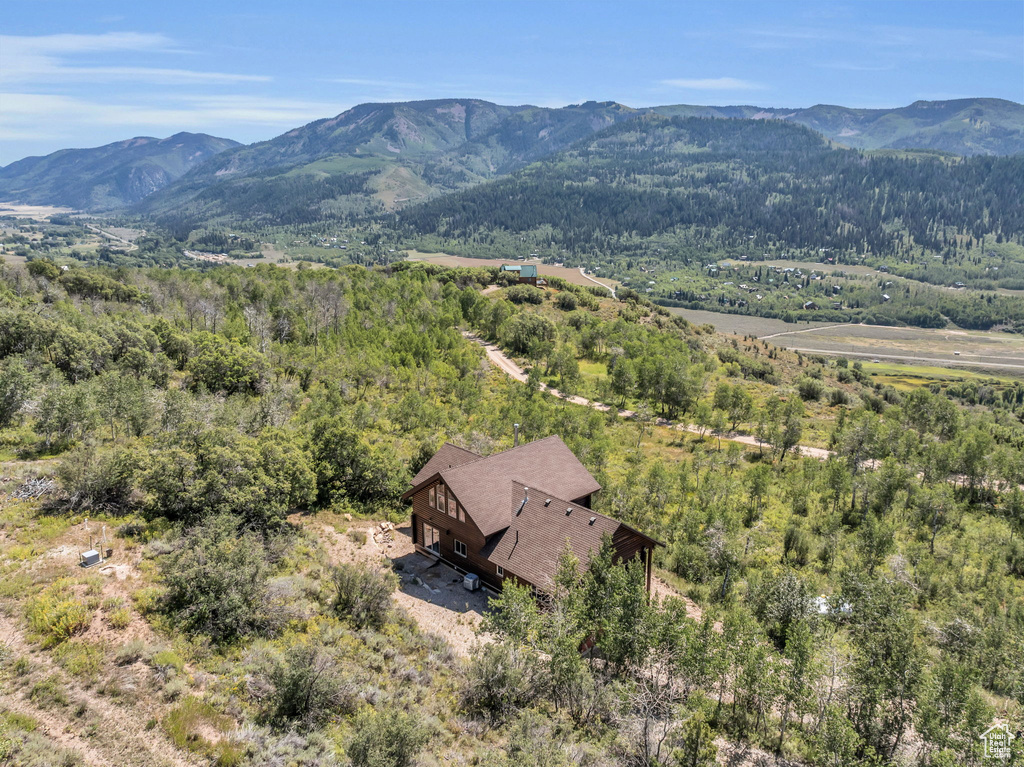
[471, 582]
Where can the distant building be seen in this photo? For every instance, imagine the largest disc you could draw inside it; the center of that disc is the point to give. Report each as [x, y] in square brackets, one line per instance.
[525, 273]
[810, 306]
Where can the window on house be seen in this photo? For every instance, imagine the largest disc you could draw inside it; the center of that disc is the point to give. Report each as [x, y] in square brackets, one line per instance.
[462, 514]
[440, 498]
[501, 571]
[432, 539]
[460, 548]
[432, 497]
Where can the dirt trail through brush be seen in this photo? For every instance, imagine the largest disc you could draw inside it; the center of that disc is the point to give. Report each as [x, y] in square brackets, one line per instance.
[510, 368]
[121, 738]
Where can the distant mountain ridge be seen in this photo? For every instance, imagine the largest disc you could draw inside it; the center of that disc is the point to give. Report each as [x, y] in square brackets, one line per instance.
[961, 126]
[382, 156]
[403, 151]
[107, 177]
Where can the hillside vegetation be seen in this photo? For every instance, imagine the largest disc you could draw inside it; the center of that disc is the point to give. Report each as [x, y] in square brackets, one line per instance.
[227, 425]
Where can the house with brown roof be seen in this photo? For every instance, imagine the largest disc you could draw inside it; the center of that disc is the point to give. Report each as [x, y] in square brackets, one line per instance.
[509, 515]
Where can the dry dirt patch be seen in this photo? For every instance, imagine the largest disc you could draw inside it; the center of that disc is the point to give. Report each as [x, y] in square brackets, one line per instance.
[430, 592]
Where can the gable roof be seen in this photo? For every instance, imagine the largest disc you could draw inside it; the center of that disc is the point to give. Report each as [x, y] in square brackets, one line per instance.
[535, 539]
[510, 267]
[448, 457]
[484, 486]
[528, 270]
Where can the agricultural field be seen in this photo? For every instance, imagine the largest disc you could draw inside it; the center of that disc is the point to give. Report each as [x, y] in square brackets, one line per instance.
[566, 273]
[908, 377]
[940, 347]
[32, 211]
[936, 348]
[743, 324]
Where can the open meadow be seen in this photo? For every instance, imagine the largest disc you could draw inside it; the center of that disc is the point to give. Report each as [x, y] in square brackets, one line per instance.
[939, 348]
[568, 274]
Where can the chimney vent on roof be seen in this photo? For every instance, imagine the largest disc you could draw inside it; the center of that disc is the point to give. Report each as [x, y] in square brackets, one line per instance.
[568, 511]
[526, 497]
[515, 439]
[592, 520]
[547, 502]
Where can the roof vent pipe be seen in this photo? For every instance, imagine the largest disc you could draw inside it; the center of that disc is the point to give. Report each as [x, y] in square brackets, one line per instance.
[515, 439]
[526, 497]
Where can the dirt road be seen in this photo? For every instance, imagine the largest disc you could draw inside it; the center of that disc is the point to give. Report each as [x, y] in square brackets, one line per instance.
[510, 368]
[586, 276]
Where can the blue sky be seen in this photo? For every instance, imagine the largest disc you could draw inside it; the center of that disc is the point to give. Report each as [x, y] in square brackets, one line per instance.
[76, 74]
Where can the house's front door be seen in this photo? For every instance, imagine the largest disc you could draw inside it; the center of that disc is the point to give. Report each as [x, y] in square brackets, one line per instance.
[431, 539]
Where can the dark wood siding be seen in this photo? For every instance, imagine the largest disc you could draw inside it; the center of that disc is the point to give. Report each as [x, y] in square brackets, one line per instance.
[451, 530]
[629, 545]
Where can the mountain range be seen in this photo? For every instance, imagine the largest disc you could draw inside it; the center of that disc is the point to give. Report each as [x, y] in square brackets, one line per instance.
[106, 177]
[378, 157]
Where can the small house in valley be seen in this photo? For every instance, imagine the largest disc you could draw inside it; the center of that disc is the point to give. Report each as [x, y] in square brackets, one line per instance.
[509, 515]
[526, 273]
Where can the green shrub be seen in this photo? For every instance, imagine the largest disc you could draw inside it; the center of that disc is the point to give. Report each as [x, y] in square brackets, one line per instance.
[566, 301]
[116, 612]
[94, 479]
[147, 600]
[524, 294]
[186, 723]
[308, 688]
[48, 692]
[175, 688]
[499, 681]
[838, 397]
[167, 663]
[362, 594]
[810, 389]
[80, 659]
[388, 738]
[57, 614]
[120, 618]
[217, 581]
[130, 652]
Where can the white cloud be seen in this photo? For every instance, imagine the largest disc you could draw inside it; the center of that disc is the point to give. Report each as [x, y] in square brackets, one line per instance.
[26, 60]
[37, 116]
[714, 84]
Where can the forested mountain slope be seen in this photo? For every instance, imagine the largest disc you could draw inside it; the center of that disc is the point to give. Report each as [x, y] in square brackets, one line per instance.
[725, 181]
[106, 177]
[960, 126]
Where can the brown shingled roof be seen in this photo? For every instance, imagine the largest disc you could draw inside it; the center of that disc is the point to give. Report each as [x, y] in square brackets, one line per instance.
[484, 486]
[448, 457]
[534, 541]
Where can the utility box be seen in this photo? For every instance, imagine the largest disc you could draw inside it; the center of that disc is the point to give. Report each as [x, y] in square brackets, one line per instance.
[471, 582]
[90, 558]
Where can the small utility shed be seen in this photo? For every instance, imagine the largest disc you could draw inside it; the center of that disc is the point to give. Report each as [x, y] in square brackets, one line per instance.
[510, 514]
[524, 273]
